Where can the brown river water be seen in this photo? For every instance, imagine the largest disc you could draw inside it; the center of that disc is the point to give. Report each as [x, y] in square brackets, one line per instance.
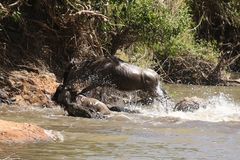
[211, 133]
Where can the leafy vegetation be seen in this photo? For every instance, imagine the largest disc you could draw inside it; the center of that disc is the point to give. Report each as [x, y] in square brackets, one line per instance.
[150, 33]
[163, 28]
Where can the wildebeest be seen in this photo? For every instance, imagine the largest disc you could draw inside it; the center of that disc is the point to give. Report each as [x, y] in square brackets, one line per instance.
[113, 72]
[79, 105]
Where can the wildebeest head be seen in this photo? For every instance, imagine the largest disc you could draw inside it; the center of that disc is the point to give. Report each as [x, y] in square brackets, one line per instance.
[150, 82]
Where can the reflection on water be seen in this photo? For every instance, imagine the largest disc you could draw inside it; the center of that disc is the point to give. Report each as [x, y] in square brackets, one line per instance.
[211, 133]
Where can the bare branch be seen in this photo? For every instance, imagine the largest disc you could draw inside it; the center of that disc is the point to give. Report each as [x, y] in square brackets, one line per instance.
[15, 3]
[92, 13]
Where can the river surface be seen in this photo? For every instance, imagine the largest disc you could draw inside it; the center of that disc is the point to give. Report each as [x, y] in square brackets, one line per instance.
[211, 133]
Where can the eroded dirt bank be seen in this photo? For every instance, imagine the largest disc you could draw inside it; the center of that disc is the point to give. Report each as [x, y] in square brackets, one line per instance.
[24, 88]
[29, 88]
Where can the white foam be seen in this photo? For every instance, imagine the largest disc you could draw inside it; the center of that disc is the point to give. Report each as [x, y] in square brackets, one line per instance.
[54, 135]
[219, 108]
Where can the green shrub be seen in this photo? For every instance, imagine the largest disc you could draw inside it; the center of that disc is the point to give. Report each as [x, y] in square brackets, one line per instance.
[164, 29]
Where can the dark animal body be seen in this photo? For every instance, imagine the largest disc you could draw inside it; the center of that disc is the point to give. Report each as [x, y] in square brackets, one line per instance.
[79, 106]
[115, 73]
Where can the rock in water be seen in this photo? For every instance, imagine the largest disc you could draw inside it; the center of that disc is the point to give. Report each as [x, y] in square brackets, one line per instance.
[77, 110]
[190, 104]
[12, 132]
[122, 109]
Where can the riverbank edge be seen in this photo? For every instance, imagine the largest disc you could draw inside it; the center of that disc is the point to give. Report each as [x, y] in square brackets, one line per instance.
[26, 88]
[36, 87]
[31, 88]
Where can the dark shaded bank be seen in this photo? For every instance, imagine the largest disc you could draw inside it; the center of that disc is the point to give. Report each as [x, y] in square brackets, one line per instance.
[194, 70]
[38, 37]
[42, 36]
[219, 21]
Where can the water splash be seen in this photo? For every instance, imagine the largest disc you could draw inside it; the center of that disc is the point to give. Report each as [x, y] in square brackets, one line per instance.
[219, 108]
[160, 91]
[55, 136]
